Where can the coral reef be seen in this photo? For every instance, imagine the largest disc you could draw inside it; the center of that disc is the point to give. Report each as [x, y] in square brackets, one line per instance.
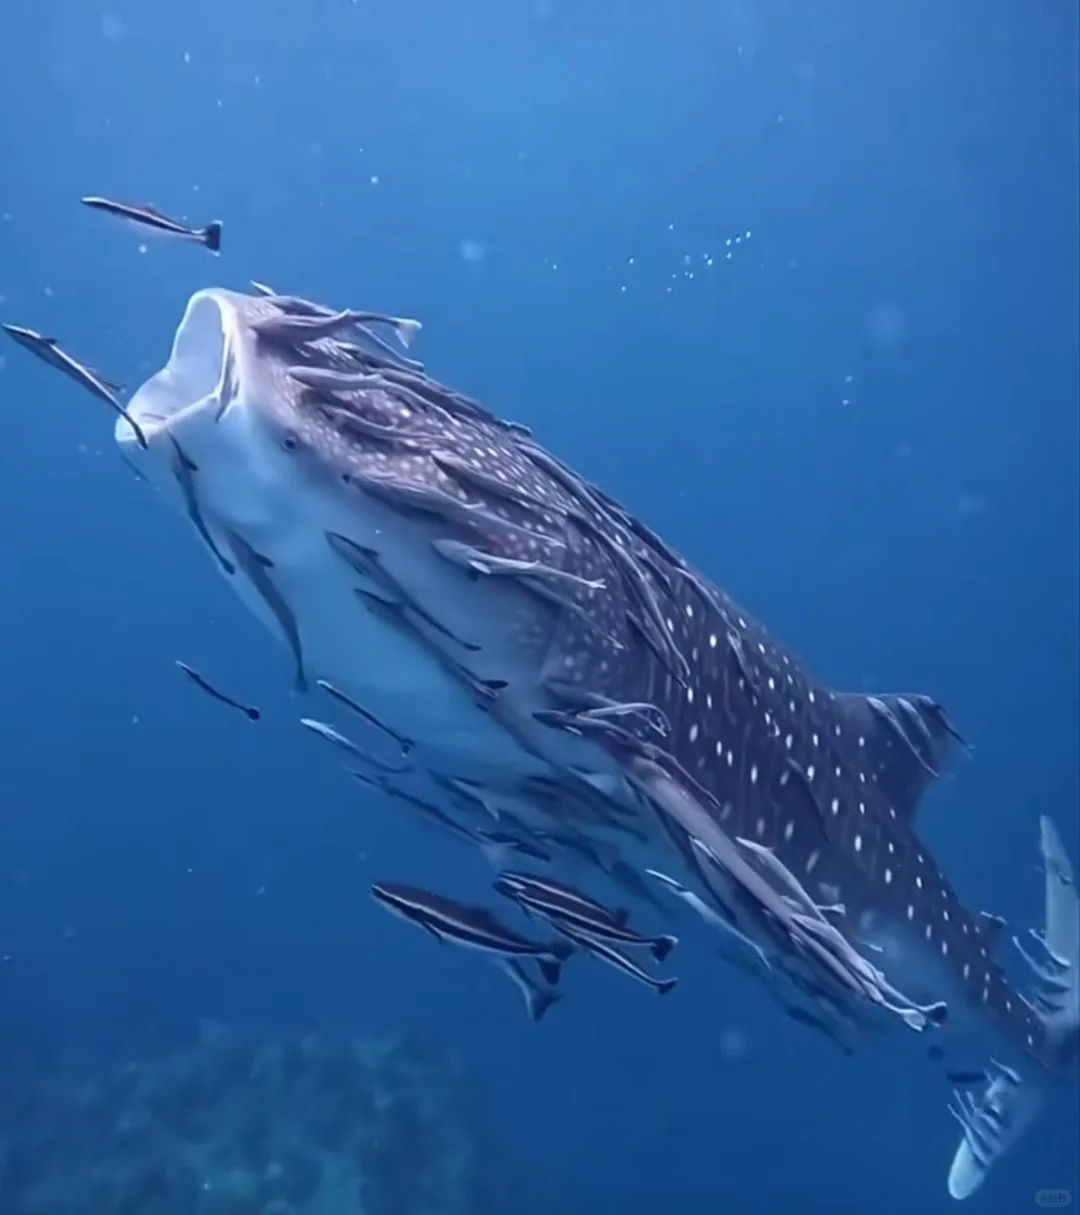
[245, 1125]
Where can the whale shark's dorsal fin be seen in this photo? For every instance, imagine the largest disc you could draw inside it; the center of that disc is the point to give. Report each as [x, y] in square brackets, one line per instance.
[907, 738]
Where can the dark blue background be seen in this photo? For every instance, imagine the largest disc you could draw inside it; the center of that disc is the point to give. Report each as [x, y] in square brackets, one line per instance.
[909, 177]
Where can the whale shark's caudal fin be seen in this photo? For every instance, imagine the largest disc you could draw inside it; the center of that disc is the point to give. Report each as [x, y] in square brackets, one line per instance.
[994, 1121]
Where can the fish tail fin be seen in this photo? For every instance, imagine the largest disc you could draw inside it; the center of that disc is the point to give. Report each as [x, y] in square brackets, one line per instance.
[995, 1120]
[663, 986]
[407, 329]
[551, 969]
[211, 235]
[562, 949]
[662, 946]
[551, 964]
[537, 999]
[495, 853]
[540, 999]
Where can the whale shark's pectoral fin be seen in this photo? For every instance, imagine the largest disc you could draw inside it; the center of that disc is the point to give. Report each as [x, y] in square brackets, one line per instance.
[994, 1121]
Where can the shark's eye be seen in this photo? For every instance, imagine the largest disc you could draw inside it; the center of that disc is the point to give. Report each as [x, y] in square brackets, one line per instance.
[290, 443]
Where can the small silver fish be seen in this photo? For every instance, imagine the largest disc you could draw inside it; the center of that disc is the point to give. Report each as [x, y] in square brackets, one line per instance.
[257, 566]
[47, 349]
[151, 220]
[184, 470]
[346, 744]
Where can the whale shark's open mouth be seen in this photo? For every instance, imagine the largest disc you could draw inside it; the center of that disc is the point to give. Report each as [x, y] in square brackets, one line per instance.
[195, 379]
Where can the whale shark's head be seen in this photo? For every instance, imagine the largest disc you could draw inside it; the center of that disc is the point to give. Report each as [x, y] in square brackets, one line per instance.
[218, 401]
[349, 500]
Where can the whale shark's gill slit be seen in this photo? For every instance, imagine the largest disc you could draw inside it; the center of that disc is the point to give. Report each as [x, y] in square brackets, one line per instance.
[255, 566]
[184, 470]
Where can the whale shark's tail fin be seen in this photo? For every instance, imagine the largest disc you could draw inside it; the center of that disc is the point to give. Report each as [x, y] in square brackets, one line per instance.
[994, 1121]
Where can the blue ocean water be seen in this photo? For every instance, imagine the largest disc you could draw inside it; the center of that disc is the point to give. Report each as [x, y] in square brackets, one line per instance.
[797, 283]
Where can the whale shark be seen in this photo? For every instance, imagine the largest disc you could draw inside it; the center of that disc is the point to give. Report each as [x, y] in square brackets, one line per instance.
[555, 664]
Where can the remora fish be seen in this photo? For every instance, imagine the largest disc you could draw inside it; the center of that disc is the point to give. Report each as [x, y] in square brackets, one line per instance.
[151, 220]
[471, 927]
[589, 942]
[249, 711]
[596, 930]
[711, 731]
[47, 349]
[344, 698]
[346, 744]
[581, 914]
[560, 897]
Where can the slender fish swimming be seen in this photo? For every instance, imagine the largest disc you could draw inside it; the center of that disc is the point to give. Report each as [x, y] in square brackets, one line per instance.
[48, 350]
[470, 927]
[155, 223]
[249, 711]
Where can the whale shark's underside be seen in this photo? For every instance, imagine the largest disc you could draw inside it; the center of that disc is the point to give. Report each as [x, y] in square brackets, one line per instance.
[556, 667]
